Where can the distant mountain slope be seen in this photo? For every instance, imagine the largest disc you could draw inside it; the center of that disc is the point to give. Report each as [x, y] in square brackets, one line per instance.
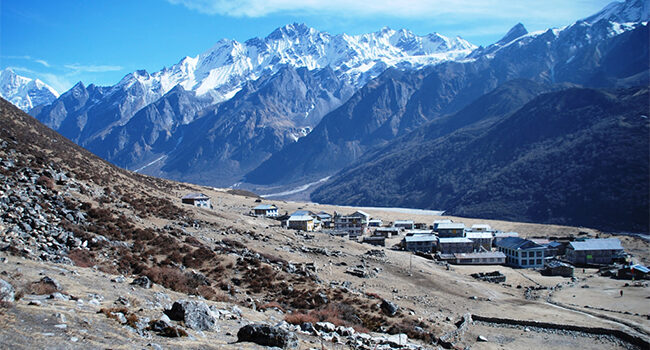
[23, 92]
[261, 119]
[575, 156]
[603, 54]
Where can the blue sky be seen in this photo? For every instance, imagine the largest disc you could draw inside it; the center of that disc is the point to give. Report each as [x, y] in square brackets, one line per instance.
[99, 41]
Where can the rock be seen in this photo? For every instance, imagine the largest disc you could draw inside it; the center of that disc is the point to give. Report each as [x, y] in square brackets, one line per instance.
[123, 301]
[118, 279]
[325, 327]
[35, 302]
[50, 281]
[307, 327]
[389, 308]
[397, 340]
[7, 292]
[119, 316]
[142, 281]
[481, 338]
[195, 314]
[267, 336]
[59, 296]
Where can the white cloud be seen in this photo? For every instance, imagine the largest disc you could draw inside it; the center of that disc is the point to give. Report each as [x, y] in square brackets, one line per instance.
[80, 68]
[411, 9]
[28, 58]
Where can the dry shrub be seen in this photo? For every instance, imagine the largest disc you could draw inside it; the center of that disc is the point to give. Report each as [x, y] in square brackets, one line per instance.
[41, 288]
[271, 305]
[413, 328]
[299, 318]
[46, 182]
[82, 258]
[199, 256]
[232, 243]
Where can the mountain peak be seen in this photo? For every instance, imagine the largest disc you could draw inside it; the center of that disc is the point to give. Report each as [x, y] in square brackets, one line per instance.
[23, 92]
[291, 31]
[515, 32]
[623, 12]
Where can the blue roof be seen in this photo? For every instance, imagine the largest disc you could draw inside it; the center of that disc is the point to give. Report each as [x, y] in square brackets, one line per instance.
[517, 243]
[265, 207]
[640, 268]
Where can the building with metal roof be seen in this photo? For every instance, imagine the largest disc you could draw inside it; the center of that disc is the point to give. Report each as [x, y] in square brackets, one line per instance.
[268, 210]
[451, 229]
[197, 199]
[598, 251]
[420, 243]
[522, 252]
[480, 258]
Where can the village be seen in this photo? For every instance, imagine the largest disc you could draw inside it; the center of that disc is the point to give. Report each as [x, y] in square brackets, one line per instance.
[450, 242]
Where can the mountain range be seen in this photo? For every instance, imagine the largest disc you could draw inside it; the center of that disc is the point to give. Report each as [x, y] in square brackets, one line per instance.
[301, 105]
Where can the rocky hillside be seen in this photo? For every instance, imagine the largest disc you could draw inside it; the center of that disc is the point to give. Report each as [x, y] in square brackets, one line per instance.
[575, 156]
[61, 204]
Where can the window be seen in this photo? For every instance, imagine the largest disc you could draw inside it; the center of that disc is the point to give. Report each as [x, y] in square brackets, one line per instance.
[539, 253]
[524, 254]
[539, 261]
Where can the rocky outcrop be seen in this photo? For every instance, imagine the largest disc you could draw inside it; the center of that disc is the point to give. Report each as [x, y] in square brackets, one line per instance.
[195, 314]
[267, 335]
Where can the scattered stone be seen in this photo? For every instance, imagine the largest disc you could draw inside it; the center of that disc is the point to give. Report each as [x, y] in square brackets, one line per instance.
[142, 281]
[35, 303]
[7, 292]
[196, 314]
[268, 336]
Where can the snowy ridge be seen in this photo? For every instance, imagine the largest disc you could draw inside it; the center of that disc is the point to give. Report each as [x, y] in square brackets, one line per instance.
[25, 93]
[623, 12]
[221, 70]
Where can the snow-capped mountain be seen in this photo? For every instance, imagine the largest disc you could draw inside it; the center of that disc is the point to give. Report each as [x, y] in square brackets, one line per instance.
[25, 93]
[221, 70]
[623, 12]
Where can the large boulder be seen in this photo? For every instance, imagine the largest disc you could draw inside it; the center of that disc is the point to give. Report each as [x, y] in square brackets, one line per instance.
[389, 308]
[195, 314]
[7, 292]
[267, 335]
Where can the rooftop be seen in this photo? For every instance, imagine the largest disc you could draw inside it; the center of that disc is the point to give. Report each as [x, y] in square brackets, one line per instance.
[454, 240]
[597, 244]
[420, 238]
[451, 226]
[478, 234]
[482, 227]
[480, 255]
[403, 222]
[517, 243]
[265, 207]
[300, 218]
[506, 234]
[195, 196]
